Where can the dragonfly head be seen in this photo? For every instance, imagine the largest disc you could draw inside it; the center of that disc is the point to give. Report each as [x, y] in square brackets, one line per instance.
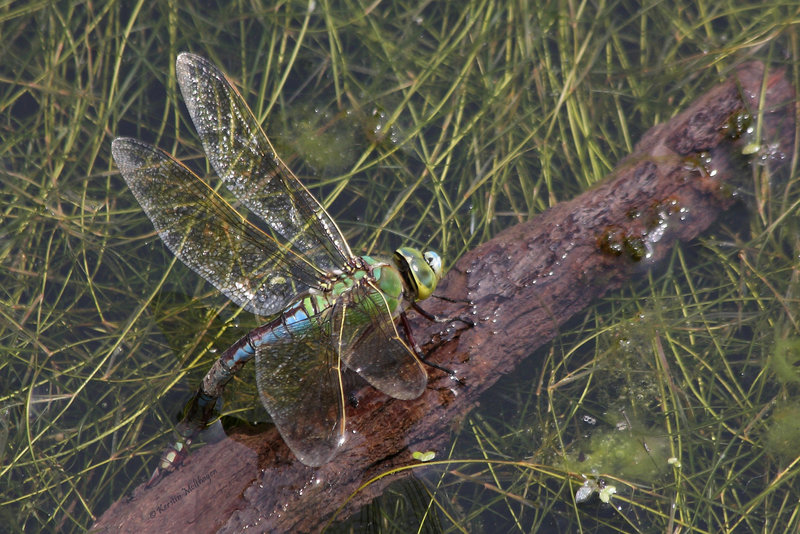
[421, 272]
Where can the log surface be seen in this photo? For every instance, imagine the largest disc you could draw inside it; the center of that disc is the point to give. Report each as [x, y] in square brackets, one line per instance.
[522, 285]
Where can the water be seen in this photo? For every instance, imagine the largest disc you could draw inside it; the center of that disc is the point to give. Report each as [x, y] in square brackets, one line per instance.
[495, 111]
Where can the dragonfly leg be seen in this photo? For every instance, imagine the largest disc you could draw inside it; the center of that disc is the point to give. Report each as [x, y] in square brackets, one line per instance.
[435, 319]
[418, 351]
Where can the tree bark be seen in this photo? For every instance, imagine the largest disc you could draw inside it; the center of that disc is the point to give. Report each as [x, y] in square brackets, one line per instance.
[521, 285]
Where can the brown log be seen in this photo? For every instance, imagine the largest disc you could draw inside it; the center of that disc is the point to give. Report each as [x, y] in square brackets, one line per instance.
[523, 285]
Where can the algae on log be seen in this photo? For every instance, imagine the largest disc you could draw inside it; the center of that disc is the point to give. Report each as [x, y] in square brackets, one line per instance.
[523, 284]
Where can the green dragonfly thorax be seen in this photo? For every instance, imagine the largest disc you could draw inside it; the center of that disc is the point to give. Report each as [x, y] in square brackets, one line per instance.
[410, 276]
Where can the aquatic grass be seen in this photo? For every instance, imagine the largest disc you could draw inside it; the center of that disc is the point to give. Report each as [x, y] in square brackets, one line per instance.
[675, 366]
[456, 121]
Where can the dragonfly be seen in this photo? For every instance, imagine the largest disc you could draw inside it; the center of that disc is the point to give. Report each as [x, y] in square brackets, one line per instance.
[326, 309]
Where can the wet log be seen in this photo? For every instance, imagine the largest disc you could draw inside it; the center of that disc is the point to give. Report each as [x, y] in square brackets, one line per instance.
[522, 285]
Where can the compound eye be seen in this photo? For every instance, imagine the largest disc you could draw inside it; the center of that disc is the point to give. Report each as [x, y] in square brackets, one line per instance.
[435, 262]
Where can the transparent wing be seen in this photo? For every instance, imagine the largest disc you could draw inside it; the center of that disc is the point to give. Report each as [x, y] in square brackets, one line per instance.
[370, 344]
[249, 266]
[244, 158]
[298, 381]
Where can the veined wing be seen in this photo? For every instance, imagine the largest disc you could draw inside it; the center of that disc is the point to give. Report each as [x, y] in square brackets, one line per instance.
[244, 158]
[368, 342]
[299, 384]
[249, 266]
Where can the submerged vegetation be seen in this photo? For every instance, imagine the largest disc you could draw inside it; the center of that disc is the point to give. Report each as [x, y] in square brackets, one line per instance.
[434, 124]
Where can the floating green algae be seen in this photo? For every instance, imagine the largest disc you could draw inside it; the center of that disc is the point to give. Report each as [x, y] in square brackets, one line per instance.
[637, 456]
[783, 432]
[785, 360]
